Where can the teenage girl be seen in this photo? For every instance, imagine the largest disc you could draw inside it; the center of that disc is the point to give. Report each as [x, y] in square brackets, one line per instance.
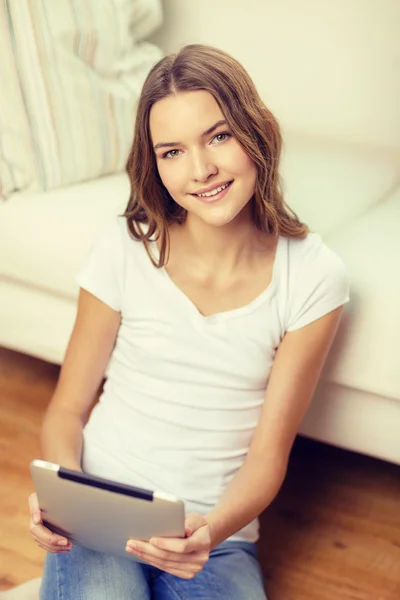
[217, 308]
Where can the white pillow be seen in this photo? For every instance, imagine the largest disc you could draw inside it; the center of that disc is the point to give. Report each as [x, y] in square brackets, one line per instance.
[17, 158]
[81, 72]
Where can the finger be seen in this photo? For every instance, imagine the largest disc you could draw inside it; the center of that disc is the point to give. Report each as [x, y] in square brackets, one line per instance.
[182, 575]
[50, 547]
[178, 572]
[158, 554]
[178, 545]
[182, 569]
[54, 550]
[173, 571]
[176, 549]
[193, 522]
[47, 538]
[35, 511]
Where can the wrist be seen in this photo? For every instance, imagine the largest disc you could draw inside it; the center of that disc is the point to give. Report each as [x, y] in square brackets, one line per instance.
[214, 529]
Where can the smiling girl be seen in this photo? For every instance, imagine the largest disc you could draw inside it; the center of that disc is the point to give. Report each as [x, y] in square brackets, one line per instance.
[218, 308]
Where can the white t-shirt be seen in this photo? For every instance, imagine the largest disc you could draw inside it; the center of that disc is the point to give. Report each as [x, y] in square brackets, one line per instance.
[184, 392]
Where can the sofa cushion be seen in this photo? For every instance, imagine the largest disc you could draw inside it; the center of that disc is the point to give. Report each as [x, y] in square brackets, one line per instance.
[365, 354]
[45, 236]
[330, 183]
[81, 73]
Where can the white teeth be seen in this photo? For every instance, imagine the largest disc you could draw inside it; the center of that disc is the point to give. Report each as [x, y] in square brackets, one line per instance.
[214, 192]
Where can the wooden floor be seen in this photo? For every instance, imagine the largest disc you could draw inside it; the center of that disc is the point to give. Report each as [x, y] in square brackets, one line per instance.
[333, 533]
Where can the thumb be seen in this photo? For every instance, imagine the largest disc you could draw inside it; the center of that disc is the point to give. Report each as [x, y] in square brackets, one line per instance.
[193, 522]
[34, 509]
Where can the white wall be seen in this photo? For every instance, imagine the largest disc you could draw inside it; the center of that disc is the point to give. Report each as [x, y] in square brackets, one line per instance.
[324, 67]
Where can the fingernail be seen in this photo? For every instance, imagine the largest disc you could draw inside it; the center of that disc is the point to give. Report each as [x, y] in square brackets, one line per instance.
[131, 545]
[62, 543]
[36, 518]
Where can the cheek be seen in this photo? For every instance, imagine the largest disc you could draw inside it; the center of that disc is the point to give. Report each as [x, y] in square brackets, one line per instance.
[242, 165]
[171, 178]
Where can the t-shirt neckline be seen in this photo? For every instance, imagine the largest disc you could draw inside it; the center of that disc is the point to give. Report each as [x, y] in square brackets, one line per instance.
[181, 297]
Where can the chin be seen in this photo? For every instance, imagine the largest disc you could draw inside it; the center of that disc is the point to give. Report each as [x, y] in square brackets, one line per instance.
[218, 220]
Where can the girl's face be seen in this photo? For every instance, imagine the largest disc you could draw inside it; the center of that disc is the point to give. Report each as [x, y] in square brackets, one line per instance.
[197, 154]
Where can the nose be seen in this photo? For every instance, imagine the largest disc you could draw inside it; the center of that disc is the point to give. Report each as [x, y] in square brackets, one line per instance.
[203, 167]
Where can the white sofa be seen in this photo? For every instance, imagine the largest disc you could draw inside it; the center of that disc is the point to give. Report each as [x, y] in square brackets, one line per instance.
[341, 169]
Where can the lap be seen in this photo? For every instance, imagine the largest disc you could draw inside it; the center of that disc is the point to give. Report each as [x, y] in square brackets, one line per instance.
[88, 575]
[232, 573]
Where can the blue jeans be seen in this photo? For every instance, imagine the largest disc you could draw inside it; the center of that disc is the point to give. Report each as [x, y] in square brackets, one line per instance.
[231, 573]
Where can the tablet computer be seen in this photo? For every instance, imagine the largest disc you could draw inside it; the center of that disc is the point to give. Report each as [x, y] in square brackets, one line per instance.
[101, 514]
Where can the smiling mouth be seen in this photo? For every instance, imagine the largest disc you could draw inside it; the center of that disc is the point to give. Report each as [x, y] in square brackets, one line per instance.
[214, 192]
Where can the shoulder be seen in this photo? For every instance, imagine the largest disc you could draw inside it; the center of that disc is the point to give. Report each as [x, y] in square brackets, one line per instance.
[317, 281]
[112, 243]
[311, 256]
[115, 228]
[305, 249]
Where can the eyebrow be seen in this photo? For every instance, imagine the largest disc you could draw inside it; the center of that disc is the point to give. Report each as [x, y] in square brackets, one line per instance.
[207, 132]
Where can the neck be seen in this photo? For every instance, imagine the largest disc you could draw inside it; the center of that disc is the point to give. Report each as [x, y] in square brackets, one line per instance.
[226, 246]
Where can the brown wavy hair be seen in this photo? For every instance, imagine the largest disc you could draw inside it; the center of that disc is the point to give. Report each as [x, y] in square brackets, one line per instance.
[200, 67]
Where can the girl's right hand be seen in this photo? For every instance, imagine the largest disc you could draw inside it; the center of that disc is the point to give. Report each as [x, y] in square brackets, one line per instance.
[45, 538]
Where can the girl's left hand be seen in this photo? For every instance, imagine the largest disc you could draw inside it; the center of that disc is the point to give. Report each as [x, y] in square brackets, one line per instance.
[183, 557]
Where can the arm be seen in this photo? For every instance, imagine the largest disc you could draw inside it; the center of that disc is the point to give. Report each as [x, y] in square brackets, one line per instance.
[295, 374]
[86, 359]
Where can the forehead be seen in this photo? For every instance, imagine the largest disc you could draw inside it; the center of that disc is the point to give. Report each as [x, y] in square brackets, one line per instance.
[183, 115]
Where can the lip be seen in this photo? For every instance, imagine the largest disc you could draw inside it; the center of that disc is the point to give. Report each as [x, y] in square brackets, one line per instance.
[215, 198]
[212, 187]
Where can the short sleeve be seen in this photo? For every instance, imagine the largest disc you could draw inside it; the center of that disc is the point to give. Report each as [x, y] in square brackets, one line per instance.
[320, 285]
[102, 273]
